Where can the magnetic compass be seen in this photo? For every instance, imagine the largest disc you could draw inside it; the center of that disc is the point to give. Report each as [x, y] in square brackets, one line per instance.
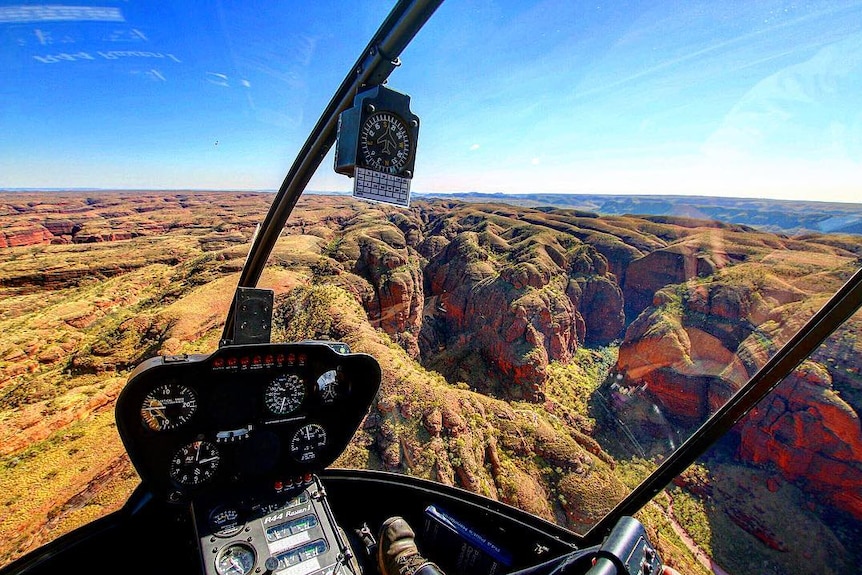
[379, 133]
[385, 143]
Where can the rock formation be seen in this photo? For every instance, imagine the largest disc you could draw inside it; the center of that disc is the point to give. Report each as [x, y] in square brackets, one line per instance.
[698, 343]
[811, 435]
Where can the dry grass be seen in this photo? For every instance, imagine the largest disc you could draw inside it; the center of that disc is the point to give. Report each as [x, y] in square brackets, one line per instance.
[66, 463]
[75, 318]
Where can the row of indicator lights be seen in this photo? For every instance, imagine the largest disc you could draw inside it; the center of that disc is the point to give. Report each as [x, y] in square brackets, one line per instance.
[280, 486]
[269, 360]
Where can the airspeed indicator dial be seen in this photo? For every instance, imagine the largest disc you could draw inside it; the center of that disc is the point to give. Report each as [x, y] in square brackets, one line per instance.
[385, 143]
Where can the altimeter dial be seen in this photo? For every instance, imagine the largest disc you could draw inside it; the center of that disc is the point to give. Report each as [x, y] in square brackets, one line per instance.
[284, 394]
[385, 143]
[195, 463]
[168, 406]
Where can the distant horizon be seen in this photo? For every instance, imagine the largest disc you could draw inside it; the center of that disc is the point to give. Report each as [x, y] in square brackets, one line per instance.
[434, 194]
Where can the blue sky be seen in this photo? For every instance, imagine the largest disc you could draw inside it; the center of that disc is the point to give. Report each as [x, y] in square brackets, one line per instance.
[727, 98]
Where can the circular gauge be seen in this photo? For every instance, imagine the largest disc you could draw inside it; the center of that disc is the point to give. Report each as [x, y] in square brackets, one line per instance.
[168, 406]
[195, 463]
[284, 394]
[224, 521]
[306, 443]
[327, 384]
[235, 559]
[385, 143]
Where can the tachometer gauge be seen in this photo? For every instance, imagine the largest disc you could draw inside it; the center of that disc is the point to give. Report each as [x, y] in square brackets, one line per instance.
[168, 406]
[327, 385]
[306, 443]
[284, 394]
[195, 463]
[235, 559]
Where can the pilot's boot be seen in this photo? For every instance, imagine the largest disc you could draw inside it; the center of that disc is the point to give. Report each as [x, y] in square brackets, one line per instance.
[397, 553]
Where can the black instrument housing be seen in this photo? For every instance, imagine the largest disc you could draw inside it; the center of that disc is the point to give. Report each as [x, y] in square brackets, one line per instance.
[254, 444]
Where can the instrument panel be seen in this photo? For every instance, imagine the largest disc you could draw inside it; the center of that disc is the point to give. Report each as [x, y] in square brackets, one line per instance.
[197, 423]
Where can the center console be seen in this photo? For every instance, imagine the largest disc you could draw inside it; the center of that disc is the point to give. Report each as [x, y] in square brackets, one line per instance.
[289, 529]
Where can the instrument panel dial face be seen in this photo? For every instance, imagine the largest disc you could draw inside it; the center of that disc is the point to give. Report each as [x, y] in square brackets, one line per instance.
[385, 143]
[224, 521]
[195, 463]
[307, 441]
[327, 385]
[284, 394]
[168, 406]
[235, 559]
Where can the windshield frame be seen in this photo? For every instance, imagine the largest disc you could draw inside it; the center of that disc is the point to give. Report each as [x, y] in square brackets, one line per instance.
[373, 67]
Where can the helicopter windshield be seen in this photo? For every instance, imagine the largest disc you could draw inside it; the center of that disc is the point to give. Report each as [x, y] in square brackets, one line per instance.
[618, 215]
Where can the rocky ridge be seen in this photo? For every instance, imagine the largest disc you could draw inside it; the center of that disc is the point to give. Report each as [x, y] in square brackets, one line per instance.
[490, 296]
